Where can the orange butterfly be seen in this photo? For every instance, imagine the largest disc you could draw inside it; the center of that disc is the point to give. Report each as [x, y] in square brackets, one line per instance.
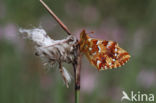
[101, 53]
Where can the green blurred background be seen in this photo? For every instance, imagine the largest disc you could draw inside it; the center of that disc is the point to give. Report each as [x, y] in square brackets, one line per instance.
[129, 22]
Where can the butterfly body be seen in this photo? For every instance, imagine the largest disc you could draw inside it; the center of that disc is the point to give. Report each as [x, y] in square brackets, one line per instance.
[101, 53]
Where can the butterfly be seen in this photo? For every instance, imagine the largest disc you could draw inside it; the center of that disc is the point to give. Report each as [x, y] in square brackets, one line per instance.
[101, 53]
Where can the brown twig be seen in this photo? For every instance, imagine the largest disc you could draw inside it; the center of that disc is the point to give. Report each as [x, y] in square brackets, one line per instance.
[77, 69]
[56, 18]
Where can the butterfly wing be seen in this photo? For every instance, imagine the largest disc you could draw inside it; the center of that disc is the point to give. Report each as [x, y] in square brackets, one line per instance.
[103, 54]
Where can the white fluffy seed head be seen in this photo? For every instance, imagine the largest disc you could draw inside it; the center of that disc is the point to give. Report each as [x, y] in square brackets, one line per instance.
[53, 51]
[66, 76]
[39, 36]
[50, 49]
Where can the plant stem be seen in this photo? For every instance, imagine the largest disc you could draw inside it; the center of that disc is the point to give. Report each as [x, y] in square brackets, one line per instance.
[77, 69]
[77, 61]
[77, 96]
[56, 18]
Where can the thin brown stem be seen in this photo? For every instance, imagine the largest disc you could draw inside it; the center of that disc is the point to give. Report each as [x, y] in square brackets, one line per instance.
[77, 79]
[77, 69]
[56, 18]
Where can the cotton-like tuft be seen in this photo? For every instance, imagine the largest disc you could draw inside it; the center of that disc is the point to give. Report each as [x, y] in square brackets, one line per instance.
[66, 76]
[53, 51]
[38, 36]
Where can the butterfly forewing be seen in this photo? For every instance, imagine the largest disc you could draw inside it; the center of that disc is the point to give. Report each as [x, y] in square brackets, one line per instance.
[103, 54]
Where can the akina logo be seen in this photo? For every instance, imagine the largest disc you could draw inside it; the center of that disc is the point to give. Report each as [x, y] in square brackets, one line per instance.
[138, 96]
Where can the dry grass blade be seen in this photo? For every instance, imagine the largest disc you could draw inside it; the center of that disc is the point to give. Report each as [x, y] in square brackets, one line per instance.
[56, 18]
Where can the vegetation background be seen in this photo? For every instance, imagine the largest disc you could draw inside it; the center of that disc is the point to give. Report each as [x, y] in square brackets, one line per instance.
[132, 23]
